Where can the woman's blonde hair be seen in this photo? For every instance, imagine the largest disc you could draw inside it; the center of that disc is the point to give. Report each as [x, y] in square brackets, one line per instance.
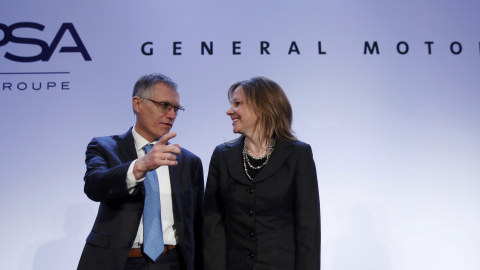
[269, 101]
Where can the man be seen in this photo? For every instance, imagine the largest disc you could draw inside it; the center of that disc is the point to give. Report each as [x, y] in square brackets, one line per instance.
[151, 200]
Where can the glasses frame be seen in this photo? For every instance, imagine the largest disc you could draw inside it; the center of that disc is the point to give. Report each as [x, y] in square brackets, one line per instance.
[162, 104]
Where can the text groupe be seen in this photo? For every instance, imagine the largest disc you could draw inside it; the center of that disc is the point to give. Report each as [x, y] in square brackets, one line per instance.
[35, 86]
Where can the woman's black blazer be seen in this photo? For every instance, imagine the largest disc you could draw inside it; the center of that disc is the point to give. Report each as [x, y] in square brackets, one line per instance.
[272, 222]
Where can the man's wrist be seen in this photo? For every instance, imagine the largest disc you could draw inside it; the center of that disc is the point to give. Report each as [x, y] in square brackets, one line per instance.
[139, 169]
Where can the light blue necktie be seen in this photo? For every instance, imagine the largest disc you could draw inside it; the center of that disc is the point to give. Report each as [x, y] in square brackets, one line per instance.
[152, 222]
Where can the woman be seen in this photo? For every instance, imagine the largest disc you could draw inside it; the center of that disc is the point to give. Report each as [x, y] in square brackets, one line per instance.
[261, 208]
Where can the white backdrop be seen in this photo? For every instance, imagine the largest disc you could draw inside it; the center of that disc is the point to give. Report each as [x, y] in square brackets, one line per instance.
[395, 135]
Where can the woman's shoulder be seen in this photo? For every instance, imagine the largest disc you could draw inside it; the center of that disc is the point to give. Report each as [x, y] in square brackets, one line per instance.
[229, 144]
[297, 144]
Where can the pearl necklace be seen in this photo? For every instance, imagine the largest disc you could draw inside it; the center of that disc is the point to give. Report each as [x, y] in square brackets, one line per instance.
[257, 156]
[271, 145]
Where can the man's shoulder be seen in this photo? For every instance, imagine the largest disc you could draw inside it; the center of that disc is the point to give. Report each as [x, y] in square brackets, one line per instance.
[110, 140]
[188, 154]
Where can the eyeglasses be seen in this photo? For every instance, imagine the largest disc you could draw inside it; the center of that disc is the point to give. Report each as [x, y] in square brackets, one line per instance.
[165, 107]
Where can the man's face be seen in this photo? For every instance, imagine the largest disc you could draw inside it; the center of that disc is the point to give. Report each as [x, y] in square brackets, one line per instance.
[152, 122]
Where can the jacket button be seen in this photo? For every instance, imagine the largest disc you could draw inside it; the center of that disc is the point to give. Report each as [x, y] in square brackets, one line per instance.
[251, 255]
[251, 213]
[251, 235]
[251, 190]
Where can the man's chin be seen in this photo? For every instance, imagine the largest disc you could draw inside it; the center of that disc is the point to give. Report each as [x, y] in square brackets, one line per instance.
[163, 131]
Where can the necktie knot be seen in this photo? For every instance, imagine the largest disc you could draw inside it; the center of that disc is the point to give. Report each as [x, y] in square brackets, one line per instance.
[147, 147]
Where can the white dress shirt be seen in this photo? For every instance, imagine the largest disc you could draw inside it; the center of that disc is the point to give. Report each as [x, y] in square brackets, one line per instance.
[165, 194]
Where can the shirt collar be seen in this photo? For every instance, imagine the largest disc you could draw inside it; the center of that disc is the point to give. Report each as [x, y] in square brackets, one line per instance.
[140, 142]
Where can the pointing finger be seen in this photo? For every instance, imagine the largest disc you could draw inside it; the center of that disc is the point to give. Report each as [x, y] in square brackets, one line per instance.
[167, 137]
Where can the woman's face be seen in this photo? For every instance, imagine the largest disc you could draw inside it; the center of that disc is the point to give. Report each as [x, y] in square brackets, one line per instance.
[243, 117]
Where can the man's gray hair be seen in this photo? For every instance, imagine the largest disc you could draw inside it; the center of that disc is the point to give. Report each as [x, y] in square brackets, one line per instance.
[145, 85]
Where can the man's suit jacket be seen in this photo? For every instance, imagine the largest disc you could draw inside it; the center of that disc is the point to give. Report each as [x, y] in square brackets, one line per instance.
[119, 213]
[272, 222]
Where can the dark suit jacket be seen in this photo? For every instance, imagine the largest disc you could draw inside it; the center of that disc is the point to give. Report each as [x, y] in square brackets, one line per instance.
[272, 222]
[119, 213]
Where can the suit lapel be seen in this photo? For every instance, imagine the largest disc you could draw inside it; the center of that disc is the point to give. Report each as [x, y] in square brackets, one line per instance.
[126, 147]
[280, 154]
[127, 152]
[175, 176]
[234, 161]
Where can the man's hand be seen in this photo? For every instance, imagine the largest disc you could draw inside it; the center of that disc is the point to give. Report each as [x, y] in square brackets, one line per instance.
[160, 154]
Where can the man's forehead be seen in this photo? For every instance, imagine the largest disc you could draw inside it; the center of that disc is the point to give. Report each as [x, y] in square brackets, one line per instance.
[166, 93]
[163, 88]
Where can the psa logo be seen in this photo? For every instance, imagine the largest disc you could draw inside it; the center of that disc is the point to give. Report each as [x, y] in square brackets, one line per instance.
[46, 50]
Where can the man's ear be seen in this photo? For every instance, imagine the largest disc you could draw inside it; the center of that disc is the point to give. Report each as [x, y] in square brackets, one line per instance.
[137, 103]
